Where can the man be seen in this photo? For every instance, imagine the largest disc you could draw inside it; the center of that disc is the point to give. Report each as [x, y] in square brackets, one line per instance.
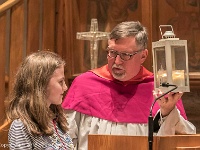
[116, 98]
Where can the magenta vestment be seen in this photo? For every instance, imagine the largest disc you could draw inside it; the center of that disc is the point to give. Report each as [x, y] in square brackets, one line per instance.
[106, 99]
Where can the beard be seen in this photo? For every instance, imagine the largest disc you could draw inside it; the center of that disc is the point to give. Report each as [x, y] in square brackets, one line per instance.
[118, 72]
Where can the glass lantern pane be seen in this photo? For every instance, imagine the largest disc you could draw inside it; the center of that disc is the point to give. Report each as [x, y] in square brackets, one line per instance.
[160, 69]
[178, 65]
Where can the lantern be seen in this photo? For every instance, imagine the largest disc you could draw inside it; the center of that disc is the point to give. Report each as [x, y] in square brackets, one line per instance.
[170, 62]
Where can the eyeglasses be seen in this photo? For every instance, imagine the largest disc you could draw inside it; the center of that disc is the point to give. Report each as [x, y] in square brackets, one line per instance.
[124, 56]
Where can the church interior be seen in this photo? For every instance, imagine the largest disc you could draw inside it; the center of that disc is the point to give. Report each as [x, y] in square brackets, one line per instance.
[27, 26]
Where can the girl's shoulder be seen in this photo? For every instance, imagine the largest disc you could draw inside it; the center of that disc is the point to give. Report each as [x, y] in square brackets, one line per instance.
[18, 127]
[17, 123]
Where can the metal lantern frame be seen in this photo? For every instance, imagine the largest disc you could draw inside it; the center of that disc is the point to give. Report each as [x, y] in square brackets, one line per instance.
[167, 50]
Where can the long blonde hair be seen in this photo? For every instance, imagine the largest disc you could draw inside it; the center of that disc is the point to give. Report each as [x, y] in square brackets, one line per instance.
[28, 98]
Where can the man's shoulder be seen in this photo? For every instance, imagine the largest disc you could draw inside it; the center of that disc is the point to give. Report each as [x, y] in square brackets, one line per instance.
[85, 76]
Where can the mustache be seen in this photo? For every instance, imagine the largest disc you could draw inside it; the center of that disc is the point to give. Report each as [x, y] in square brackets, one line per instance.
[117, 66]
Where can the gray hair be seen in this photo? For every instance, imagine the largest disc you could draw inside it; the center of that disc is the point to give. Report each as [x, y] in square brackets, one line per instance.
[131, 28]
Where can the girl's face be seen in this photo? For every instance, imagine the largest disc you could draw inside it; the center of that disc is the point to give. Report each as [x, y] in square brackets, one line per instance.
[56, 87]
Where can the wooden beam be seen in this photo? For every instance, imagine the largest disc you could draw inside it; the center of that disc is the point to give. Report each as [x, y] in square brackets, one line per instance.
[7, 5]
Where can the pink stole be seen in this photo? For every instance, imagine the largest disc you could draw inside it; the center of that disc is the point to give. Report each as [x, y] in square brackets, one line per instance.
[95, 93]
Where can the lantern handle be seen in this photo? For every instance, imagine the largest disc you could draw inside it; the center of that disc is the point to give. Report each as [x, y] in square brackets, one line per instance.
[165, 26]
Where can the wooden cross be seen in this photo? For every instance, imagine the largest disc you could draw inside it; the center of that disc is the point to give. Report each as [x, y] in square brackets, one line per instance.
[93, 36]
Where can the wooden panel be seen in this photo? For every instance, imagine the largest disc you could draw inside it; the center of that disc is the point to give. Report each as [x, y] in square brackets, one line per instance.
[114, 142]
[184, 16]
[188, 148]
[62, 45]
[2, 66]
[146, 20]
[171, 142]
[120, 142]
[48, 39]
[79, 61]
[191, 101]
[66, 43]
[33, 26]
[16, 42]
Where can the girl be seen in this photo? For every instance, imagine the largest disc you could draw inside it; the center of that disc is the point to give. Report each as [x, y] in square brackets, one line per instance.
[38, 120]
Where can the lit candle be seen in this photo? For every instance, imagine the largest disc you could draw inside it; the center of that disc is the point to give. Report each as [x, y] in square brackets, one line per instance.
[178, 77]
[162, 76]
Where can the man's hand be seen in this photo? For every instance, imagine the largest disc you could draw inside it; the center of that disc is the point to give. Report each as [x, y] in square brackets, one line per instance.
[167, 103]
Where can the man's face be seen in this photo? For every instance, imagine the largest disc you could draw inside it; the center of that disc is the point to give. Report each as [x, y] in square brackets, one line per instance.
[125, 70]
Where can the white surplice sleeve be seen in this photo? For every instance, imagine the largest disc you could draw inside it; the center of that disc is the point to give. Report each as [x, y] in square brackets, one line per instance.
[174, 123]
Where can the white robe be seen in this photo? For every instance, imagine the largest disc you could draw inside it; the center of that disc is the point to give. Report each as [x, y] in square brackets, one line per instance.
[80, 125]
